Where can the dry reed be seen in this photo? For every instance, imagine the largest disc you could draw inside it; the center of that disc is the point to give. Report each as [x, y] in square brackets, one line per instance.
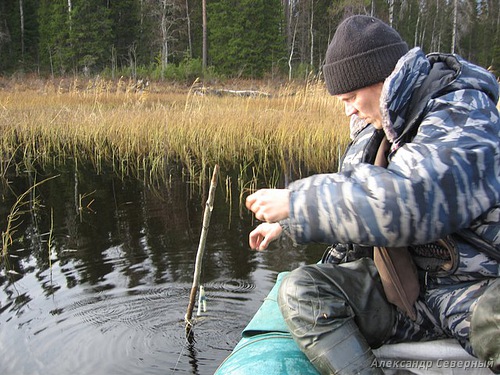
[141, 132]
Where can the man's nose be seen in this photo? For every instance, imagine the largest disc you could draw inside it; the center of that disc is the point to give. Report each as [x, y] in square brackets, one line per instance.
[349, 109]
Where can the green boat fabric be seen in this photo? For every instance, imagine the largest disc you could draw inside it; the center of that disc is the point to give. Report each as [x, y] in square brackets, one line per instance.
[268, 318]
[266, 346]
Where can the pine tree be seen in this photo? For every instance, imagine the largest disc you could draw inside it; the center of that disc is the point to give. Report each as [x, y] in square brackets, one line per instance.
[54, 48]
[125, 26]
[90, 35]
[245, 37]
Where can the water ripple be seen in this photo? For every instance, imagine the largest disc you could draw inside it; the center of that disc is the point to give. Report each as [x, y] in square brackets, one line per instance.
[231, 286]
[139, 330]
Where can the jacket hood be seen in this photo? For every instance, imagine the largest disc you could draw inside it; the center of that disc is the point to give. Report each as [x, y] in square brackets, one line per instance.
[417, 79]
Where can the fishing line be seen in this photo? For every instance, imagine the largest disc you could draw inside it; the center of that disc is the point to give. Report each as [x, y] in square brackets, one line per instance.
[178, 360]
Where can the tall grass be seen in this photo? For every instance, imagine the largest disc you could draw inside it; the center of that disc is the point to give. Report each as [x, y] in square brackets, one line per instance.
[296, 130]
[25, 202]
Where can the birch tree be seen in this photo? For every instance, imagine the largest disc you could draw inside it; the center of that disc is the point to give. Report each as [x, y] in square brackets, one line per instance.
[188, 24]
[70, 10]
[454, 29]
[205, 34]
[167, 15]
[21, 15]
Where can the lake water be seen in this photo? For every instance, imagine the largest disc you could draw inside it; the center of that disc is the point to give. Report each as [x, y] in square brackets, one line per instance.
[99, 272]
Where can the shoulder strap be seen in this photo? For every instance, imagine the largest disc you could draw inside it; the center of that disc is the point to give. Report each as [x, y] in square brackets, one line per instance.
[395, 265]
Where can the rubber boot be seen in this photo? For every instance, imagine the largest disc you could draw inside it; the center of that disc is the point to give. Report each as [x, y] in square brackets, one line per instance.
[343, 351]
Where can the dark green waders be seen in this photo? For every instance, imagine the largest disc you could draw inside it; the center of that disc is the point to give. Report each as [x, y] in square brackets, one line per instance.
[336, 314]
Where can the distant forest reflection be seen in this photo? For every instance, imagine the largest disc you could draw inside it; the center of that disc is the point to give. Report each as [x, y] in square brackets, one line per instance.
[91, 251]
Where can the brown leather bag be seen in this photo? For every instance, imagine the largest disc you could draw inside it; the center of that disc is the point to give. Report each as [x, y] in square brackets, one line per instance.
[395, 264]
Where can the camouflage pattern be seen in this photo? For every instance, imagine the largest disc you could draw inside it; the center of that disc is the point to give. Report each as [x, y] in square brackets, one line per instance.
[443, 311]
[446, 178]
[443, 176]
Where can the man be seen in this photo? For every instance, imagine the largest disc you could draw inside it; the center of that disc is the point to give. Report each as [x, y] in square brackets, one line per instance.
[437, 199]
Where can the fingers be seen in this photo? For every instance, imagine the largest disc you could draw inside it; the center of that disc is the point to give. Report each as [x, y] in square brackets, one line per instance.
[249, 202]
[255, 242]
[270, 205]
[256, 238]
[265, 243]
[256, 203]
[263, 235]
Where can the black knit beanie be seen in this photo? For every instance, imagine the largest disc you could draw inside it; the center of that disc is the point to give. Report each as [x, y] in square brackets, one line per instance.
[363, 51]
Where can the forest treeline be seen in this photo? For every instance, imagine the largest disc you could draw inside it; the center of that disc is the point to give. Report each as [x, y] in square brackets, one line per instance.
[185, 39]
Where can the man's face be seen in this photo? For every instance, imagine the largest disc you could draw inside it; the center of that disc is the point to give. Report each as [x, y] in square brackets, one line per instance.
[365, 103]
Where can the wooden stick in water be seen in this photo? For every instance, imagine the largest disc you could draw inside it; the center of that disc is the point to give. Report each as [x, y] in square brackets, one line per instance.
[201, 249]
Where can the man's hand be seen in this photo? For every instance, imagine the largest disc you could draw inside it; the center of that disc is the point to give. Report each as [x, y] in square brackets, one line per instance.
[270, 205]
[263, 235]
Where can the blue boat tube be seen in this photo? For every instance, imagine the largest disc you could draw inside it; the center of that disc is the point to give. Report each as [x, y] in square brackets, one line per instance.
[266, 346]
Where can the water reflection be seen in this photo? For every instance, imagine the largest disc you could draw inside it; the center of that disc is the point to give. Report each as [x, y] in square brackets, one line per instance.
[99, 273]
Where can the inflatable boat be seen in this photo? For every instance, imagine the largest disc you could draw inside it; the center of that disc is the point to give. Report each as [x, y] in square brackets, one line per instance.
[266, 347]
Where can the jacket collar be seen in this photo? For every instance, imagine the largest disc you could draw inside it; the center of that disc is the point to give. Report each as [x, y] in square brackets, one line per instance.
[397, 91]
[408, 75]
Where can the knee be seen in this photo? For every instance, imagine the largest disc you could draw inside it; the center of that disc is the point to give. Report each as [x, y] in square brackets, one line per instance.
[295, 286]
[305, 283]
[309, 303]
[313, 289]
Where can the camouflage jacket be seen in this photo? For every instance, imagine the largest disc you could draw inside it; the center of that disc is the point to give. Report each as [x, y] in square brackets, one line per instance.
[439, 112]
